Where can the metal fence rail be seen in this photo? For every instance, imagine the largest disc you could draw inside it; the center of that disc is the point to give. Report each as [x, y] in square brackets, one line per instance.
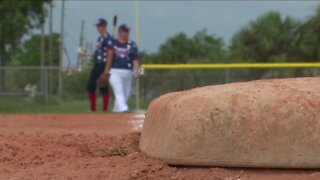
[232, 66]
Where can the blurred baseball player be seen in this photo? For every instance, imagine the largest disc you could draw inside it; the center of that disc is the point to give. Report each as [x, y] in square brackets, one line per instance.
[102, 57]
[125, 66]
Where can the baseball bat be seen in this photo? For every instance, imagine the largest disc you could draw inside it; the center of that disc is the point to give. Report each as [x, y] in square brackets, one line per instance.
[115, 20]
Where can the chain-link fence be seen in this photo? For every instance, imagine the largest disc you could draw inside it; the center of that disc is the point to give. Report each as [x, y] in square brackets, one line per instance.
[156, 82]
[35, 89]
[25, 81]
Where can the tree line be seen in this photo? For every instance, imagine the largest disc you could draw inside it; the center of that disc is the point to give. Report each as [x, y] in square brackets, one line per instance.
[269, 38]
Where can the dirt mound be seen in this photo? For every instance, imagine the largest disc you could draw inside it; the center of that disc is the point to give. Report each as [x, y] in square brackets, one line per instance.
[118, 146]
[89, 148]
[76, 156]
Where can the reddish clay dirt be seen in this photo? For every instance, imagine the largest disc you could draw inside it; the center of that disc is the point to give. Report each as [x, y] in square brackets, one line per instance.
[97, 147]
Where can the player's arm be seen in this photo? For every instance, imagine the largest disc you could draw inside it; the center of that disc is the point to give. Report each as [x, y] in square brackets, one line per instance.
[109, 61]
[109, 58]
[104, 77]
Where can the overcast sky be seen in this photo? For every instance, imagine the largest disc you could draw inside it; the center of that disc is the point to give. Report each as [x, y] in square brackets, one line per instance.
[162, 19]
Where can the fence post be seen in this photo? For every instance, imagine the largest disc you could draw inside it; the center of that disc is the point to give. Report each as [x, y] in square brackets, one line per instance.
[46, 85]
[1, 77]
[137, 94]
[227, 75]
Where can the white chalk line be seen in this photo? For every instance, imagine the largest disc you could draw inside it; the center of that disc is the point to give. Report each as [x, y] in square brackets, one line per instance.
[137, 121]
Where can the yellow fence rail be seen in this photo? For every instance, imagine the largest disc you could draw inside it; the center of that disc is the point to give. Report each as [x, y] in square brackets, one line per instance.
[232, 66]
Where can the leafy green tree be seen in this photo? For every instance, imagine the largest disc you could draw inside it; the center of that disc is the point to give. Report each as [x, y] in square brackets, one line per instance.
[30, 53]
[267, 39]
[175, 49]
[17, 18]
[270, 38]
[308, 44]
[207, 48]
[201, 48]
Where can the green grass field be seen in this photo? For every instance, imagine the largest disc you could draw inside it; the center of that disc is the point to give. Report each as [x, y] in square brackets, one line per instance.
[30, 106]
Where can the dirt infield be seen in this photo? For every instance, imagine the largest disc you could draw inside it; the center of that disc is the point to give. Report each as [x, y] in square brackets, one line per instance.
[97, 147]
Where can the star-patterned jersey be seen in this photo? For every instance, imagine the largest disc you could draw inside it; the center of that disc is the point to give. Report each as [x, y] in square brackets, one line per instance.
[124, 54]
[103, 44]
